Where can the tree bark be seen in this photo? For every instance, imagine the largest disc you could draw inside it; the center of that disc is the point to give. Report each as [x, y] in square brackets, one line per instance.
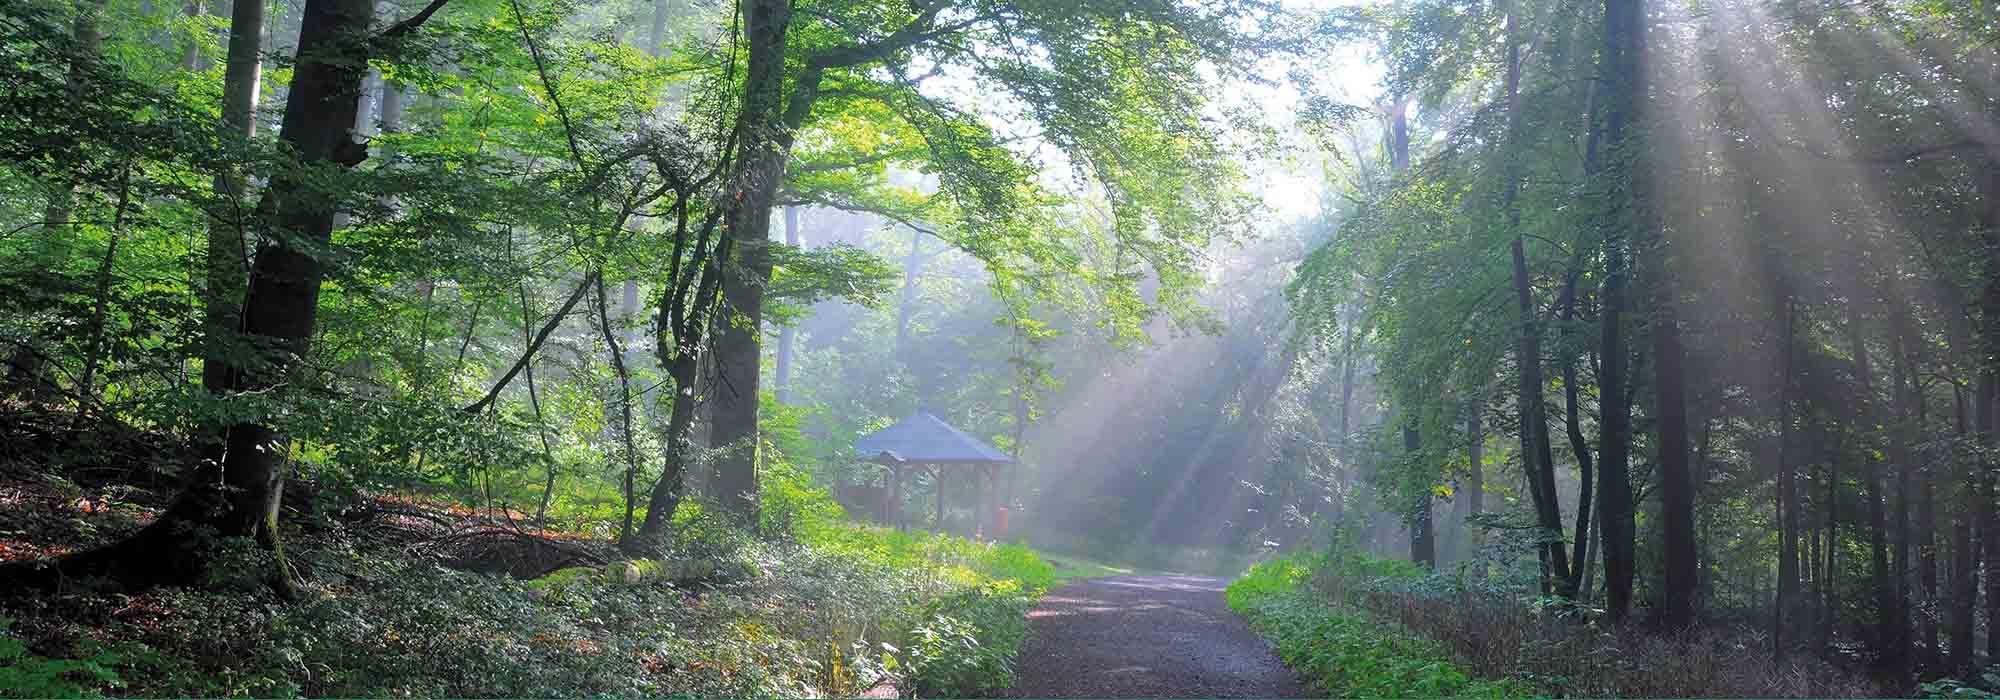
[763, 140]
[242, 77]
[238, 495]
[623, 426]
[1476, 480]
[1902, 413]
[1537, 456]
[1829, 575]
[1423, 548]
[1787, 589]
[1964, 558]
[1578, 445]
[1676, 483]
[1889, 628]
[1987, 412]
[1618, 64]
[694, 281]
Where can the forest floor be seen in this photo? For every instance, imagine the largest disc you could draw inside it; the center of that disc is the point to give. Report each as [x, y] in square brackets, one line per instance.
[417, 593]
[1146, 636]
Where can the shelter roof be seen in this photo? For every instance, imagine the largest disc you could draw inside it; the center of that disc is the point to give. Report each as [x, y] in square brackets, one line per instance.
[924, 437]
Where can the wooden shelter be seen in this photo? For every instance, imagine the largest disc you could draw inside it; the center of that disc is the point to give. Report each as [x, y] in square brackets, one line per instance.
[926, 443]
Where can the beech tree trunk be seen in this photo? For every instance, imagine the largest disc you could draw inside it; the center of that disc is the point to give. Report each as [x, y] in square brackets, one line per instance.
[242, 77]
[1536, 455]
[1618, 64]
[238, 494]
[763, 125]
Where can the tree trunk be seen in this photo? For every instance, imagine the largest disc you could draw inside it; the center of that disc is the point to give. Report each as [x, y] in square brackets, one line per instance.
[1470, 502]
[1987, 413]
[242, 77]
[191, 58]
[238, 495]
[1829, 575]
[657, 44]
[1964, 562]
[668, 492]
[1889, 635]
[937, 479]
[1619, 65]
[1578, 445]
[693, 284]
[1926, 525]
[623, 414]
[89, 39]
[1676, 483]
[1788, 498]
[535, 405]
[1476, 480]
[1348, 347]
[101, 299]
[1903, 415]
[1537, 456]
[1423, 549]
[760, 168]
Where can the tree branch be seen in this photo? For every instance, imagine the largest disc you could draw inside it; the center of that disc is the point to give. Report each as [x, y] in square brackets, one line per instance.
[415, 21]
[917, 31]
[536, 346]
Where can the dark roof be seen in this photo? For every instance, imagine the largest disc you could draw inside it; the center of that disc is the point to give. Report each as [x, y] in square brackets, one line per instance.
[923, 437]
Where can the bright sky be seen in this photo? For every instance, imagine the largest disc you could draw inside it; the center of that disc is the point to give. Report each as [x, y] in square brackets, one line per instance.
[1350, 75]
[1289, 187]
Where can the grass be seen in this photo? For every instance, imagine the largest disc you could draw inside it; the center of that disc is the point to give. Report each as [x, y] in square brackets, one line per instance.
[1069, 567]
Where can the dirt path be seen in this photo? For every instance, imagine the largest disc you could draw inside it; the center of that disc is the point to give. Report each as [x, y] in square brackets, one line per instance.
[1146, 636]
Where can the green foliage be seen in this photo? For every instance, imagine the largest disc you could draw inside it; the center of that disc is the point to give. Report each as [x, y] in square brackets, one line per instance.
[1955, 688]
[1344, 651]
[933, 615]
[965, 643]
[26, 675]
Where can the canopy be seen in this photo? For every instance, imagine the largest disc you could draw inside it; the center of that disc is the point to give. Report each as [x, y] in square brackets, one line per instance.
[926, 439]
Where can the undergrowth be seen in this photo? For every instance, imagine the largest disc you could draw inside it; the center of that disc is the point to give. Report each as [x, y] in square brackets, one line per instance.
[809, 605]
[1360, 625]
[1343, 651]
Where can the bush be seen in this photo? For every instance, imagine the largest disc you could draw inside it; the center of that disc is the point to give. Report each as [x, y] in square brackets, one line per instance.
[966, 642]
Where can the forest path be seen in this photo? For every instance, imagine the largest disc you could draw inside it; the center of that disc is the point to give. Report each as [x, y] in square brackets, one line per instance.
[1146, 636]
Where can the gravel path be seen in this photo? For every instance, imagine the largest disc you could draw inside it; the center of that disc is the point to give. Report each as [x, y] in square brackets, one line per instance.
[1146, 636]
